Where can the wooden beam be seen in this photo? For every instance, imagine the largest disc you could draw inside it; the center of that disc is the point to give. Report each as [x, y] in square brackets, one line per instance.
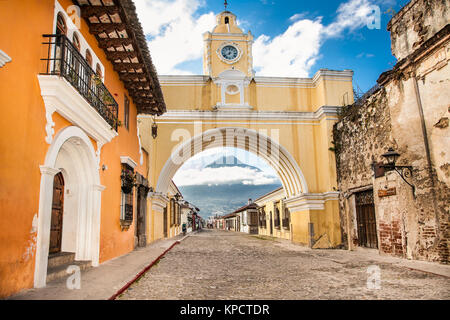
[114, 42]
[97, 28]
[141, 92]
[122, 55]
[128, 66]
[89, 11]
[133, 77]
[140, 101]
[138, 86]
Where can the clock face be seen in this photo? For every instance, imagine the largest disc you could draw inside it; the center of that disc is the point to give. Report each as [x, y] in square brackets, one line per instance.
[229, 52]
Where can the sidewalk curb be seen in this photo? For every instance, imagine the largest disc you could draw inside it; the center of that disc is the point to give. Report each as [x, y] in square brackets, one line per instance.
[140, 274]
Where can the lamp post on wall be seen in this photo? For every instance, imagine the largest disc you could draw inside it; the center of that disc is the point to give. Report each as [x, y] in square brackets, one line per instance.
[154, 128]
[404, 171]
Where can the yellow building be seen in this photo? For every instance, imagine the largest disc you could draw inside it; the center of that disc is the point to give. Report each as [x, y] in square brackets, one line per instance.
[274, 217]
[73, 171]
[286, 121]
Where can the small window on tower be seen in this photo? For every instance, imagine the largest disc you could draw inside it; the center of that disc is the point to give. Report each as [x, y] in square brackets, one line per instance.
[227, 20]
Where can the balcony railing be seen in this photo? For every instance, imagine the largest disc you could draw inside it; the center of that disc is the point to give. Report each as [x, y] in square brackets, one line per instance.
[64, 59]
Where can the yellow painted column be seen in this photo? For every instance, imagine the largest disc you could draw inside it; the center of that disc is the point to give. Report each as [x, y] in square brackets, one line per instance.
[300, 226]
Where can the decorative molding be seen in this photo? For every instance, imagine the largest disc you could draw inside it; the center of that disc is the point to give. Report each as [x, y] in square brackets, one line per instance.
[49, 171]
[232, 107]
[98, 153]
[141, 154]
[128, 161]
[49, 126]
[247, 115]
[271, 197]
[60, 96]
[159, 201]
[4, 58]
[275, 82]
[310, 201]
[99, 187]
[228, 78]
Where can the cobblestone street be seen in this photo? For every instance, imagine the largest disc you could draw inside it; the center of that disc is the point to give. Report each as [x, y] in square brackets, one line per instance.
[220, 265]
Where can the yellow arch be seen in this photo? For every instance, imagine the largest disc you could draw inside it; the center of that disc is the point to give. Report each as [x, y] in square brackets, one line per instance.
[292, 178]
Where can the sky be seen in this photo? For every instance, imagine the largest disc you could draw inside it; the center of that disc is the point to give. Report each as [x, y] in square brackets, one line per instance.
[292, 38]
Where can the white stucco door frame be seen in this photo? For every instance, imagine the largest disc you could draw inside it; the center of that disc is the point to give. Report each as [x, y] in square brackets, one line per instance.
[70, 145]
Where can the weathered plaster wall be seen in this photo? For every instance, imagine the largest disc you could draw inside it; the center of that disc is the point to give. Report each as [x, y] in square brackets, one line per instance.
[409, 113]
[417, 22]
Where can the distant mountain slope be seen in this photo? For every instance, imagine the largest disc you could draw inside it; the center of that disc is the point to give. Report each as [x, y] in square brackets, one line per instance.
[230, 161]
[223, 198]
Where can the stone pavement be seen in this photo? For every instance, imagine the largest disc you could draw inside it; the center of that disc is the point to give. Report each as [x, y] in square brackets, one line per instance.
[104, 281]
[225, 265]
[220, 265]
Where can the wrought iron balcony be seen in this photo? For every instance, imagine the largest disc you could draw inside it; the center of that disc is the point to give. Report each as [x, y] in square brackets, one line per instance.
[64, 59]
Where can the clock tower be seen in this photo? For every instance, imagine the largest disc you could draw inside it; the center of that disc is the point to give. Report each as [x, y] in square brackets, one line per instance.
[228, 60]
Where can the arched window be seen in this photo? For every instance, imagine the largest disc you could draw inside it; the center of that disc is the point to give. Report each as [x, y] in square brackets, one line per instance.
[286, 219]
[98, 70]
[61, 30]
[172, 212]
[61, 27]
[227, 20]
[76, 41]
[276, 218]
[89, 58]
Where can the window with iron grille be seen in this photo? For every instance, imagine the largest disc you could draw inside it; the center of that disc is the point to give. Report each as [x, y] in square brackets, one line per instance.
[276, 218]
[287, 219]
[172, 212]
[262, 217]
[253, 218]
[126, 206]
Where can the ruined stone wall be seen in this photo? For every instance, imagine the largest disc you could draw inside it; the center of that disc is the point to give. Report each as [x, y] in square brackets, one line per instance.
[417, 22]
[414, 226]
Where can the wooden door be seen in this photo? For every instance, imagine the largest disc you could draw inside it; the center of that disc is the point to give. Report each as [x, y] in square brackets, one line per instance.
[365, 216]
[57, 214]
[271, 225]
[165, 222]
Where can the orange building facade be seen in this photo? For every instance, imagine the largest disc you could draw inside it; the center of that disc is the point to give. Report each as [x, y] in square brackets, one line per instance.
[73, 172]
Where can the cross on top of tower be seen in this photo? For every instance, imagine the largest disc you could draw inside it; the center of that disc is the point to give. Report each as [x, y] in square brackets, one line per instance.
[226, 5]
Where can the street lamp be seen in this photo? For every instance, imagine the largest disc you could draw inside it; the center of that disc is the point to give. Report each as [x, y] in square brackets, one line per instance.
[154, 129]
[404, 171]
[391, 156]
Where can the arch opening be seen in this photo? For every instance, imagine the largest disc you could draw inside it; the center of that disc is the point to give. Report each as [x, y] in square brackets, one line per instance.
[257, 143]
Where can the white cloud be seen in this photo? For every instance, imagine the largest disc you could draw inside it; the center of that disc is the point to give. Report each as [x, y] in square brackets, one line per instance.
[193, 171]
[290, 54]
[294, 52]
[223, 175]
[175, 31]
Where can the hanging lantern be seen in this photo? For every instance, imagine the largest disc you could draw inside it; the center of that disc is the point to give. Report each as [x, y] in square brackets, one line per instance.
[154, 129]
